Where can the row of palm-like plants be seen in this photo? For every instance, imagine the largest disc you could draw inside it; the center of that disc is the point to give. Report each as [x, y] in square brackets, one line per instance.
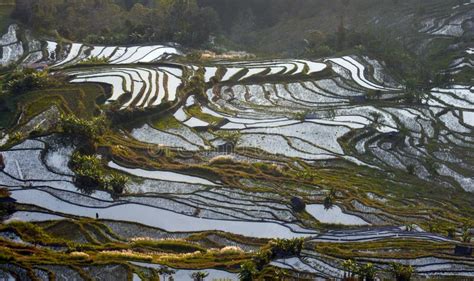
[353, 271]
[368, 271]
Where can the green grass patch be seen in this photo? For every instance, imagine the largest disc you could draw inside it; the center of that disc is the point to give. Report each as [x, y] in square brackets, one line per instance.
[80, 100]
[389, 248]
[196, 111]
[68, 230]
[173, 246]
[165, 122]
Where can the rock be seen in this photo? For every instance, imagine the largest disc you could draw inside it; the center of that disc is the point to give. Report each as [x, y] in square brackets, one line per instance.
[463, 250]
[297, 204]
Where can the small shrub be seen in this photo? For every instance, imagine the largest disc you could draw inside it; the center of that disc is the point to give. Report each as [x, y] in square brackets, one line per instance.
[451, 231]
[376, 116]
[364, 272]
[409, 227]
[466, 234]
[4, 192]
[28, 80]
[351, 268]
[404, 131]
[4, 258]
[166, 271]
[117, 182]
[199, 275]
[75, 126]
[270, 169]
[373, 94]
[17, 137]
[232, 137]
[301, 116]
[306, 175]
[329, 199]
[95, 60]
[367, 272]
[401, 272]
[286, 247]
[432, 166]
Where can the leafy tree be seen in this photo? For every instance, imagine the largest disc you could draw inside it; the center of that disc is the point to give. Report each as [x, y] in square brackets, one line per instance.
[89, 129]
[88, 170]
[262, 258]
[350, 268]
[247, 271]
[91, 175]
[6, 208]
[367, 272]
[117, 182]
[329, 199]
[286, 247]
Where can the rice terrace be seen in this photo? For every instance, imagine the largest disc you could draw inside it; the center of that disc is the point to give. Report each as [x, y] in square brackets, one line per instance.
[236, 140]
